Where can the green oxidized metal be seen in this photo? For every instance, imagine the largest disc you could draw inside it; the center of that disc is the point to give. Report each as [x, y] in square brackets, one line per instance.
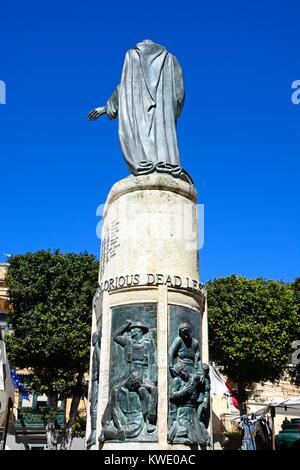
[289, 437]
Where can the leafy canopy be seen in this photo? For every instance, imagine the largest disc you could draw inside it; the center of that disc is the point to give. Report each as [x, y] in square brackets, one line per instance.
[252, 323]
[51, 294]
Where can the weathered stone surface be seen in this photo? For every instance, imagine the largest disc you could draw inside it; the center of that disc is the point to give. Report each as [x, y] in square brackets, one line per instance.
[153, 223]
[150, 226]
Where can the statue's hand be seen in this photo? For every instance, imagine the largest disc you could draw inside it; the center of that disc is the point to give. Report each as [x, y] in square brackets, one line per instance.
[96, 113]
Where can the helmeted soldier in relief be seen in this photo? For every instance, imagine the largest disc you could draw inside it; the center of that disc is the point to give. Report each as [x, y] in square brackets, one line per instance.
[138, 348]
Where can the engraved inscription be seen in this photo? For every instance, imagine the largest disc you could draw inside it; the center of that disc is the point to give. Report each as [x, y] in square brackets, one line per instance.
[110, 244]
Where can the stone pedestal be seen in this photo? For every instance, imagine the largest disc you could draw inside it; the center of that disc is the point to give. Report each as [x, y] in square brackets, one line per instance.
[149, 273]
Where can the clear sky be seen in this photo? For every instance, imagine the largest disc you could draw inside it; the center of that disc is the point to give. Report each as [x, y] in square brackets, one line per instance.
[239, 133]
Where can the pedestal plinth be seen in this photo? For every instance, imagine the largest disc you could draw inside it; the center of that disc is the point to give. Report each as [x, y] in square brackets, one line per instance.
[149, 288]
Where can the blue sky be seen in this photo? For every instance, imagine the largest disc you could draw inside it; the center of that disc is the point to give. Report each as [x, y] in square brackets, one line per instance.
[239, 133]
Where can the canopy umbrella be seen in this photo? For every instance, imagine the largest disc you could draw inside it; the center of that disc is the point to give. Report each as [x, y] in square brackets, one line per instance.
[290, 403]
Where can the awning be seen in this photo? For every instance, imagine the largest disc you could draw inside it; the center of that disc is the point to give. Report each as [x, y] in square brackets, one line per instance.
[292, 404]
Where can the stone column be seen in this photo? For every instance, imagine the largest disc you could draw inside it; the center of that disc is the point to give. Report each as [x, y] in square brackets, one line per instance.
[149, 275]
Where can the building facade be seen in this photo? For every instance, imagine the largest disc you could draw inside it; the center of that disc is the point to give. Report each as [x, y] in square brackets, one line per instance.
[5, 308]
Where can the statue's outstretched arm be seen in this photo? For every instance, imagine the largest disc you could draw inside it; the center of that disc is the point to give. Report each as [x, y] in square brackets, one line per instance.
[117, 335]
[96, 113]
[111, 108]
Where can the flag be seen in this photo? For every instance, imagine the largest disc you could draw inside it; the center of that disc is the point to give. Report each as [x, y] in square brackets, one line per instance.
[233, 399]
[17, 383]
[220, 388]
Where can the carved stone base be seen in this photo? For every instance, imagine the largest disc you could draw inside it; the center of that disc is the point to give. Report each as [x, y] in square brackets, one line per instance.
[148, 280]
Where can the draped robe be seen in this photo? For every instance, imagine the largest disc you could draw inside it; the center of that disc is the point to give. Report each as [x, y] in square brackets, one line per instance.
[147, 102]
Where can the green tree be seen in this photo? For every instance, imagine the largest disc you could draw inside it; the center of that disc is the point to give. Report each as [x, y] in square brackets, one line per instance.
[252, 323]
[51, 295]
[295, 373]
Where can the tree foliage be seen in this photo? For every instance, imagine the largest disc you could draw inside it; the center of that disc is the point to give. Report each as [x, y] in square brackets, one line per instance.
[295, 373]
[252, 323]
[51, 294]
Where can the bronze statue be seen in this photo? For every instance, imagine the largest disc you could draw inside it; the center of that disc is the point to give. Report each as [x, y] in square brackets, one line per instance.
[147, 102]
[131, 411]
[96, 342]
[139, 349]
[185, 426]
[204, 398]
[185, 350]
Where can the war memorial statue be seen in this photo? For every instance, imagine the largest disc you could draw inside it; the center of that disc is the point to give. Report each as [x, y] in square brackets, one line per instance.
[147, 103]
[149, 388]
